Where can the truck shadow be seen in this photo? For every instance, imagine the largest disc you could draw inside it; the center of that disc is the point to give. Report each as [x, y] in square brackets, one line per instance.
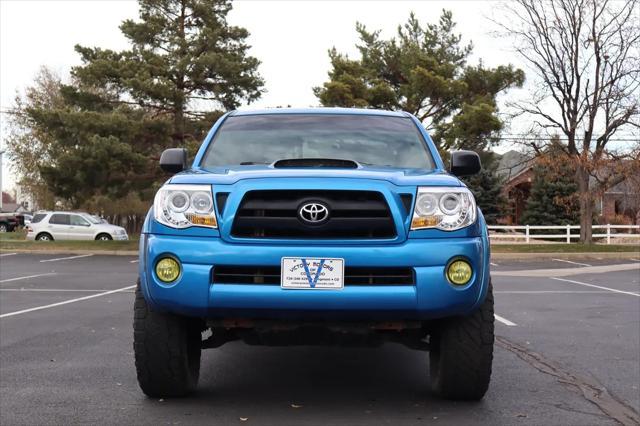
[314, 385]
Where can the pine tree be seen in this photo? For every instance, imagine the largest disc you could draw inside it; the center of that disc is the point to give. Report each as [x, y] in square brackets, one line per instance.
[185, 61]
[487, 190]
[553, 199]
[105, 131]
[423, 71]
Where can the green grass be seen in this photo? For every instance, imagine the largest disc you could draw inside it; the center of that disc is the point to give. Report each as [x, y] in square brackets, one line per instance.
[13, 236]
[16, 241]
[564, 248]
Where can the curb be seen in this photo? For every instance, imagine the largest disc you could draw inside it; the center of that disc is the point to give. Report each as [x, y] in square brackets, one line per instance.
[623, 255]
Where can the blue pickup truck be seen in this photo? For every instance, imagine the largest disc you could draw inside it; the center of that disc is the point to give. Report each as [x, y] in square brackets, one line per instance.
[315, 227]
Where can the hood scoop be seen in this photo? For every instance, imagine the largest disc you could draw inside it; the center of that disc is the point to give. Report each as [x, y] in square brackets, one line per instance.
[329, 163]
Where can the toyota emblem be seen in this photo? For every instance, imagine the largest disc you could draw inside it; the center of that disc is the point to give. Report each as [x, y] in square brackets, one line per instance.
[313, 213]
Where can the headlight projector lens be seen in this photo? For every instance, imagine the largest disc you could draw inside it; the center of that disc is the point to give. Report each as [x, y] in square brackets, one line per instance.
[201, 202]
[459, 272]
[179, 202]
[167, 269]
[427, 205]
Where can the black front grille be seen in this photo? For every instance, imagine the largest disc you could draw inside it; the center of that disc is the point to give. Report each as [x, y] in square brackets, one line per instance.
[352, 214]
[270, 275]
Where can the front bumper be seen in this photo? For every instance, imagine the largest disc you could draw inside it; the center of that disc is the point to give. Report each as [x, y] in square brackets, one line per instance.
[194, 294]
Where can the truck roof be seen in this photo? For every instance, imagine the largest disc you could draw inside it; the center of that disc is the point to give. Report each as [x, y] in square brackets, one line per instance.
[321, 110]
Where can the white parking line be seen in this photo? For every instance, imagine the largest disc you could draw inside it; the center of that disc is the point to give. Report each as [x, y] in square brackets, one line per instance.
[573, 263]
[27, 277]
[493, 264]
[66, 258]
[552, 292]
[7, 254]
[134, 261]
[66, 302]
[635, 260]
[504, 320]
[597, 286]
[61, 290]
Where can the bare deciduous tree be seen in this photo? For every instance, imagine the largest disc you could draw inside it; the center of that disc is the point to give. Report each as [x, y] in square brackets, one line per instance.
[585, 54]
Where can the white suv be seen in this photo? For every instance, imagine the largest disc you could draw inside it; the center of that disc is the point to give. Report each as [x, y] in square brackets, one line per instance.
[48, 226]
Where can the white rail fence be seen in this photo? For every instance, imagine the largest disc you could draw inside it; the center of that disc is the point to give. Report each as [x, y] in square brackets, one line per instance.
[565, 232]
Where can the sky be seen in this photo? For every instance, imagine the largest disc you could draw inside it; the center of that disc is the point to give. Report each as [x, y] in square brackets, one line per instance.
[291, 38]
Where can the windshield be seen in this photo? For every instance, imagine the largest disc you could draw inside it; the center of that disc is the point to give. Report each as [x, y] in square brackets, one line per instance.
[366, 139]
[93, 219]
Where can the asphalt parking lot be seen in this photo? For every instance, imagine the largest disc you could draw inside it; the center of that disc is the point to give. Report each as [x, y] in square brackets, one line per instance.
[567, 353]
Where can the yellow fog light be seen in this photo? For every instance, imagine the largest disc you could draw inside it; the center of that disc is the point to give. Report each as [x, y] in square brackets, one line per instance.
[459, 272]
[167, 269]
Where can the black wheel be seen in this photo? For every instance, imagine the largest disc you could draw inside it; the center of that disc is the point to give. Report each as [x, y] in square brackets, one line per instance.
[461, 354]
[3, 227]
[104, 237]
[167, 351]
[44, 237]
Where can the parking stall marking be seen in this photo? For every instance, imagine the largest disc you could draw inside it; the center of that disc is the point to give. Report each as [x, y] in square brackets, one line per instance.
[493, 264]
[573, 263]
[61, 290]
[504, 320]
[552, 292]
[66, 302]
[66, 258]
[134, 261]
[8, 280]
[597, 286]
[7, 254]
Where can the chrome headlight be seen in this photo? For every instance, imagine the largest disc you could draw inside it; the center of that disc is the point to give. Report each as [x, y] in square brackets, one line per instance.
[182, 206]
[445, 208]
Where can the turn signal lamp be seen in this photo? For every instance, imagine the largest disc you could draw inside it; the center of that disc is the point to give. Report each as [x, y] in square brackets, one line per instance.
[167, 269]
[459, 272]
[425, 222]
[202, 220]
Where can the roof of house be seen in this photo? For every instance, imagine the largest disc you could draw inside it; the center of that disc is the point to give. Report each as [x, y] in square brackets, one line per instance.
[10, 207]
[512, 163]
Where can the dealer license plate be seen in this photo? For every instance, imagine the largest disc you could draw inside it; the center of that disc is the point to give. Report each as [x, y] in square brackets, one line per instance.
[307, 273]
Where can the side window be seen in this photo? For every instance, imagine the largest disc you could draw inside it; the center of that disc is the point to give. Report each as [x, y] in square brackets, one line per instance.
[78, 220]
[38, 217]
[59, 219]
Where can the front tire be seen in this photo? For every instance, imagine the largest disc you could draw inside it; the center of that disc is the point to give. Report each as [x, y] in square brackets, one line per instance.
[104, 237]
[167, 351]
[461, 354]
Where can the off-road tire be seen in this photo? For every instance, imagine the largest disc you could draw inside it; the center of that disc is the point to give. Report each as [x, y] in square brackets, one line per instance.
[167, 351]
[461, 354]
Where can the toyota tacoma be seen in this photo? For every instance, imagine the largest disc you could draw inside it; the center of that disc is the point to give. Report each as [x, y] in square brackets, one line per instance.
[319, 226]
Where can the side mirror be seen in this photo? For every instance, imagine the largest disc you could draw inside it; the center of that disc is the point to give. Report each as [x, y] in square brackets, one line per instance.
[173, 160]
[464, 163]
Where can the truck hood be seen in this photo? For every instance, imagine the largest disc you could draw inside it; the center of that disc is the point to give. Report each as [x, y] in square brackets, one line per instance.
[231, 174]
